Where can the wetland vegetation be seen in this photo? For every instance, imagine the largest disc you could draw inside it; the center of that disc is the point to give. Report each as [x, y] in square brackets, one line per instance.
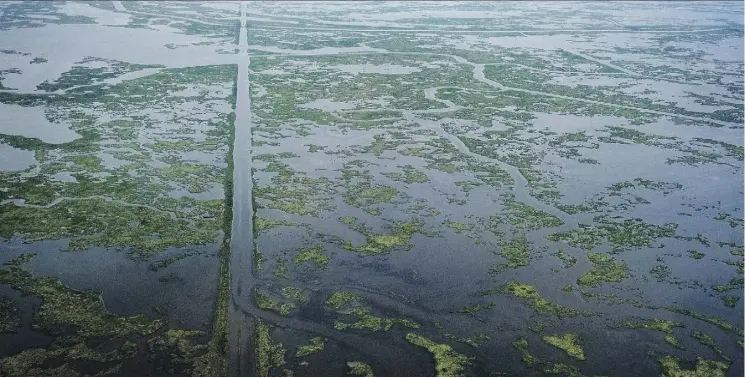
[430, 189]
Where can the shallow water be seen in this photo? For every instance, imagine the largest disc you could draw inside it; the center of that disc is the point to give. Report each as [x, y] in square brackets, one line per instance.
[480, 178]
[15, 159]
[31, 122]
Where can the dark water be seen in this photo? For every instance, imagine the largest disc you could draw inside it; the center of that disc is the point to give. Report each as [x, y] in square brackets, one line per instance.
[421, 157]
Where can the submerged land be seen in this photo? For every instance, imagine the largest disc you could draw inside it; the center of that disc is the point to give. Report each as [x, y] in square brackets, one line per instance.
[413, 188]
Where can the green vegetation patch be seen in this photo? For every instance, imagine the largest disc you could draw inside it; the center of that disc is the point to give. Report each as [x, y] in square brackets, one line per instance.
[99, 223]
[730, 301]
[541, 305]
[314, 254]
[662, 186]
[674, 341]
[294, 293]
[526, 217]
[366, 321]
[359, 369]
[472, 310]
[633, 136]
[707, 340]
[448, 363]
[715, 321]
[365, 194]
[409, 175]
[82, 75]
[621, 235]
[348, 220]
[268, 353]
[88, 163]
[528, 359]
[661, 325]
[183, 350]
[379, 145]
[566, 259]
[589, 207]
[522, 346]
[604, 269]
[562, 369]
[473, 341]
[339, 299]
[568, 343]
[459, 227]
[517, 252]
[371, 322]
[267, 303]
[281, 269]
[10, 317]
[315, 148]
[316, 345]
[733, 284]
[732, 221]
[696, 255]
[704, 368]
[294, 192]
[399, 237]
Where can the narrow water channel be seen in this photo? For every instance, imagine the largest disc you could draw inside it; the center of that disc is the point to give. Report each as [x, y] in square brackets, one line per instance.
[241, 243]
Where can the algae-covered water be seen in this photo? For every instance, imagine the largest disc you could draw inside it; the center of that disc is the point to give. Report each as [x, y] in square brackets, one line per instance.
[371, 188]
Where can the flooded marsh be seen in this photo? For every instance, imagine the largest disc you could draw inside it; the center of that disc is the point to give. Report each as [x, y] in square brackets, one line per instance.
[396, 188]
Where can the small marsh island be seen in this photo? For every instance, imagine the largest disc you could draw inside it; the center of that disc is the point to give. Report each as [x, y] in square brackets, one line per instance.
[371, 188]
